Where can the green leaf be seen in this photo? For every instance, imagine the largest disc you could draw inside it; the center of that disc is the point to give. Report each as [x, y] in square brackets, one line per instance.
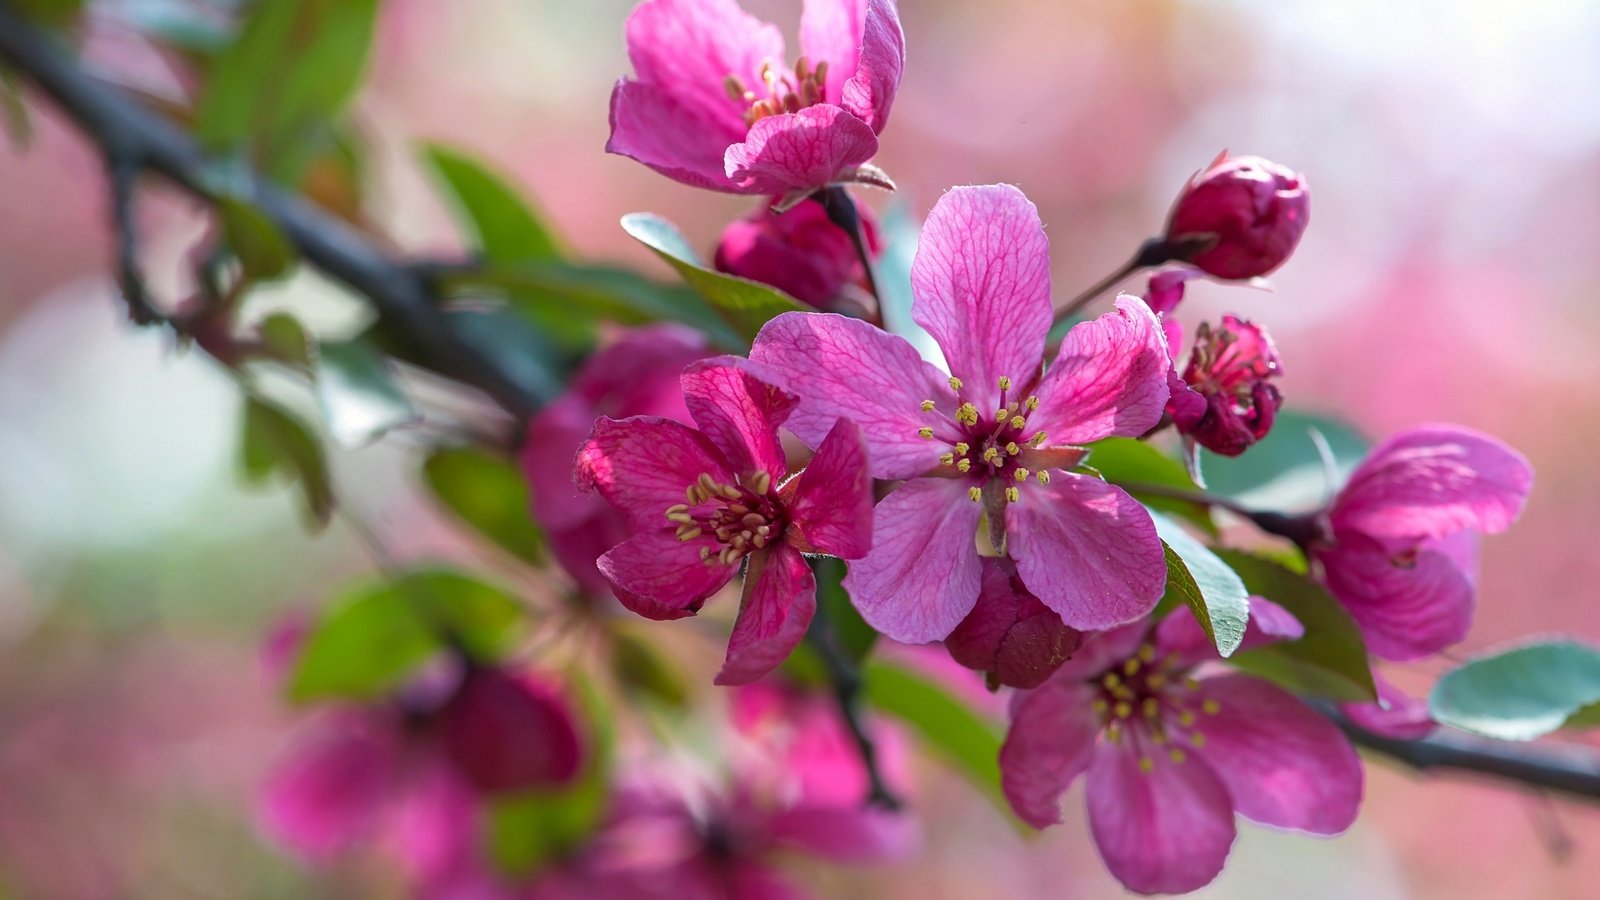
[1330, 660]
[263, 251]
[1128, 463]
[966, 740]
[488, 493]
[1521, 693]
[285, 339]
[357, 395]
[505, 225]
[50, 12]
[643, 670]
[1202, 581]
[290, 72]
[746, 304]
[856, 638]
[1284, 471]
[481, 618]
[275, 442]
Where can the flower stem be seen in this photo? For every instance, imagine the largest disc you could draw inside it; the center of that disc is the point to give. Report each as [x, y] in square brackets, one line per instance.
[1176, 493]
[845, 677]
[1150, 254]
[842, 212]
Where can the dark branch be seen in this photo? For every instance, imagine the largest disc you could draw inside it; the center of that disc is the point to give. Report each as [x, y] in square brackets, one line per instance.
[845, 678]
[135, 140]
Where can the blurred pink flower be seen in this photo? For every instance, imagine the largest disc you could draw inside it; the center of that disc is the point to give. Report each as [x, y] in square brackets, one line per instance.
[1398, 545]
[1253, 212]
[636, 375]
[967, 445]
[1228, 401]
[702, 500]
[801, 252]
[1171, 752]
[713, 104]
[1009, 635]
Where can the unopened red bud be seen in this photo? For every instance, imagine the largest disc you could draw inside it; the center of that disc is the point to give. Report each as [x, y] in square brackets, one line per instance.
[507, 733]
[800, 252]
[1245, 215]
[1228, 401]
[1010, 634]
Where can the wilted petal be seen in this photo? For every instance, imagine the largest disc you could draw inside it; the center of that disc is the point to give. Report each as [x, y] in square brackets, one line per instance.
[1409, 605]
[981, 279]
[1110, 378]
[832, 506]
[1050, 742]
[651, 126]
[843, 368]
[643, 465]
[1180, 633]
[507, 733]
[660, 577]
[689, 48]
[1087, 550]
[1165, 831]
[739, 413]
[780, 596]
[1434, 480]
[1284, 764]
[329, 793]
[799, 151]
[922, 576]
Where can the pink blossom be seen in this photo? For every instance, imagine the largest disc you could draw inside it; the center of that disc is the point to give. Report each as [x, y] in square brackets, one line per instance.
[1249, 213]
[1398, 545]
[801, 252]
[701, 501]
[635, 375]
[1009, 634]
[1166, 290]
[1228, 401]
[714, 105]
[1396, 714]
[999, 438]
[1171, 751]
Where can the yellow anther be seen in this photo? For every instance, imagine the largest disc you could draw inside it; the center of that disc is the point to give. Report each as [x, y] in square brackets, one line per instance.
[1100, 705]
[1020, 474]
[967, 414]
[1013, 495]
[1043, 476]
[928, 405]
[962, 448]
[1177, 755]
[677, 508]
[1191, 682]
[1155, 681]
[991, 455]
[1131, 667]
[688, 532]
[1151, 707]
[1186, 718]
[707, 483]
[1147, 652]
[759, 541]
[947, 459]
[925, 432]
[730, 492]
[680, 518]
[705, 553]
[965, 465]
[1037, 439]
[692, 494]
[955, 383]
[1012, 449]
[1032, 403]
[1001, 413]
[1111, 680]
[762, 482]
[1113, 733]
[1018, 421]
[1210, 707]
[1122, 710]
[1198, 740]
[1005, 382]
[975, 493]
[1147, 765]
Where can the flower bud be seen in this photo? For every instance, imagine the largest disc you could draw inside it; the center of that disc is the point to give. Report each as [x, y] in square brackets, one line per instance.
[800, 252]
[1166, 290]
[1228, 402]
[1246, 213]
[1010, 634]
[507, 733]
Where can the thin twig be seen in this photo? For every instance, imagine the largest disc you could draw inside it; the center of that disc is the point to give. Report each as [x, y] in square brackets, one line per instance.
[845, 678]
[842, 212]
[1151, 253]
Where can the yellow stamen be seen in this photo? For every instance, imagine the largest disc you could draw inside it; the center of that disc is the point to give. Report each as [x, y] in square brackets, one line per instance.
[975, 493]
[1198, 740]
[1037, 439]
[1012, 449]
[925, 432]
[1018, 421]
[677, 508]
[928, 405]
[955, 383]
[1147, 652]
[962, 448]
[1152, 707]
[680, 518]
[1013, 495]
[1122, 710]
[1032, 403]
[762, 482]
[991, 455]
[1210, 707]
[1001, 413]
[1131, 667]
[1177, 755]
[1155, 681]
[1147, 765]
[688, 532]
[1111, 680]
[1186, 718]
[947, 459]
[1005, 382]
[967, 414]
[1043, 476]
[1100, 705]
[965, 465]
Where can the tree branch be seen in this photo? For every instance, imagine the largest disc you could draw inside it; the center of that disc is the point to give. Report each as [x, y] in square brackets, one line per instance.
[845, 677]
[135, 140]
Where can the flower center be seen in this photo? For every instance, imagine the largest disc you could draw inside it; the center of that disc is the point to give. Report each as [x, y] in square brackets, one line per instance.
[742, 517]
[1225, 363]
[780, 91]
[995, 447]
[1153, 705]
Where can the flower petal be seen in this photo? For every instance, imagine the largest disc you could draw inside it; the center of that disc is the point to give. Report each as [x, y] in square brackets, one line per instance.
[832, 506]
[1110, 378]
[650, 126]
[1408, 607]
[1050, 742]
[738, 413]
[689, 48]
[329, 793]
[643, 465]
[1166, 831]
[846, 368]
[1101, 650]
[1009, 634]
[865, 49]
[660, 577]
[1087, 550]
[1284, 764]
[507, 733]
[576, 549]
[799, 151]
[922, 576]
[1396, 714]
[780, 596]
[846, 834]
[1434, 480]
[981, 280]
[1179, 633]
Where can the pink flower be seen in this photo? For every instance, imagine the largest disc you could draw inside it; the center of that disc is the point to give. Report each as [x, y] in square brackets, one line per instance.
[1250, 213]
[1009, 634]
[1228, 401]
[636, 375]
[800, 252]
[715, 106]
[1171, 752]
[701, 501]
[1398, 545]
[999, 438]
[1166, 290]
[1396, 714]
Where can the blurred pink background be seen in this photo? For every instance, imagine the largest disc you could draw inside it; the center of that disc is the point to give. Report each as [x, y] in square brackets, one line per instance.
[1450, 273]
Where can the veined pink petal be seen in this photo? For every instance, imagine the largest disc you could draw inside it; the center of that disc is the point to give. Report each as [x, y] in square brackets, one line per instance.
[799, 151]
[643, 465]
[1407, 607]
[651, 126]
[1110, 378]
[845, 368]
[981, 279]
[780, 596]
[739, 413]
[1087, 550]
[830, 32]
[637, 373]
[660, 577]
[865, 49]
[922, 576]
[1050, 742]
[1165, 831]
[832, 506]
[1396, 714]
[1284, 764]
[689, 48]
[329, 793]
[1433, 480]
[1179, 633]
